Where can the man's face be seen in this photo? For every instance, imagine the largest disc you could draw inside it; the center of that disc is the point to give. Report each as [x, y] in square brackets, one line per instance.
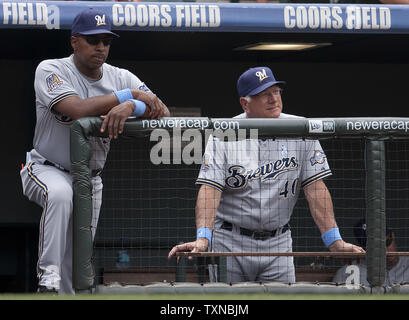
[91, 50]
[266, 104]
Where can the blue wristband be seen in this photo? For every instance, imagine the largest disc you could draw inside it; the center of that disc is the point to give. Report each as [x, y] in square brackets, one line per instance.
[331, 236]
[204, 232]
[140, 108]
[123, 95]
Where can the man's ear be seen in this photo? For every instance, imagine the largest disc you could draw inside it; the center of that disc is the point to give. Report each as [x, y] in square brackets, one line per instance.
[74, 43]
[244, 104]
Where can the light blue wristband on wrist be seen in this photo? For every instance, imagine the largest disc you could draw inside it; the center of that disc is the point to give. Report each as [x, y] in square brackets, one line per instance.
[204, 232]
[123, 95]
[331, 236]
[140, 108]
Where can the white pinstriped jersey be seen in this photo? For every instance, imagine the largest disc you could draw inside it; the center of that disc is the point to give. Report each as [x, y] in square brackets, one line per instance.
[261, 179]
[58, 79]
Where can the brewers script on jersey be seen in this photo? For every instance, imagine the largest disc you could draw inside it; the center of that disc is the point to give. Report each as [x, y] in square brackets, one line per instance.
[49, 162]
[260, 187]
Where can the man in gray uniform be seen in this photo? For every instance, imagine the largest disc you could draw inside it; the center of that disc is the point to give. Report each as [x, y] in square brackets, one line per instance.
[67, 89]
[245, 201]
[397, 267]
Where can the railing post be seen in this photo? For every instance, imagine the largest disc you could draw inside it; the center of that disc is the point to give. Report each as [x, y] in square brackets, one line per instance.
[375, 211]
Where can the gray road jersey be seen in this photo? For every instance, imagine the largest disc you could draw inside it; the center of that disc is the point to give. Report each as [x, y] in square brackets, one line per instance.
[58, 79]
[397, 274]
[261, 179]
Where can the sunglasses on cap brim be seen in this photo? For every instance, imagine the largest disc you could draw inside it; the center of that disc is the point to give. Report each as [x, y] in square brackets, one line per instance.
[95, 40]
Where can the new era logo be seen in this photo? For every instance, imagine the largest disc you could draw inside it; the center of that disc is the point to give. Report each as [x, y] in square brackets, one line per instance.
[328, 126]
[321, 126]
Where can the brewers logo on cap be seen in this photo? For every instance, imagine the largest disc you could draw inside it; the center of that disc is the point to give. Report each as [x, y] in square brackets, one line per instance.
[262, 74]
[100, 20]
[255, 80]
[91, 21]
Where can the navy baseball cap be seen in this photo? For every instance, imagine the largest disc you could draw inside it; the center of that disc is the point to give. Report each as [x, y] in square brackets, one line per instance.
[91, 21]
[255, 80]
[360, 232]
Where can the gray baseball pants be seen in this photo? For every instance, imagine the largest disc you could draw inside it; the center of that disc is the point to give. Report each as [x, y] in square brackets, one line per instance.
[255, 268]
[51, 188]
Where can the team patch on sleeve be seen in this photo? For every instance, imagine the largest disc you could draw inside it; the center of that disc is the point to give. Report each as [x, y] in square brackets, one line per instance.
[143, 87]
[319, 157]
[53, 82]
[205, 162]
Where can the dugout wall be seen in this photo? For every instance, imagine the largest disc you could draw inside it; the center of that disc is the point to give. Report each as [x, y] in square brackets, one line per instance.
[349, 70]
